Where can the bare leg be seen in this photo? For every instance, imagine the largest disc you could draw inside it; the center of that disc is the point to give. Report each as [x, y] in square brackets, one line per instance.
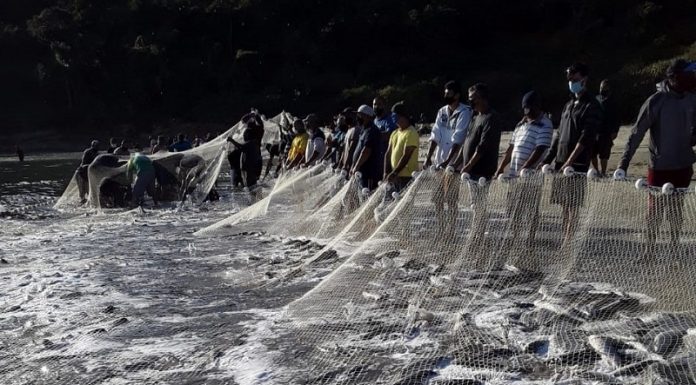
[603, 163]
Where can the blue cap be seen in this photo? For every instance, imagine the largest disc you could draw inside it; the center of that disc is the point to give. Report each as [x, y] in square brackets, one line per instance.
[691, 66]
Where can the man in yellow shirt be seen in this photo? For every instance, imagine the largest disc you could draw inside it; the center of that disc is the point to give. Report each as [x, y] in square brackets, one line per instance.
[401, 159]
[298, 146]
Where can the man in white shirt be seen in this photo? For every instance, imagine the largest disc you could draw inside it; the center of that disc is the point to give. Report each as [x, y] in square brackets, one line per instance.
[529, 144]
[447, 136]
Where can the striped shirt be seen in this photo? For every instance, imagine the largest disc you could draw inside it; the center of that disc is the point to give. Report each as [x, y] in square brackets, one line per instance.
[526, 138]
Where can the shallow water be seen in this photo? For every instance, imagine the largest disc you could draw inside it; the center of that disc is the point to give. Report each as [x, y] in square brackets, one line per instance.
[132, 297]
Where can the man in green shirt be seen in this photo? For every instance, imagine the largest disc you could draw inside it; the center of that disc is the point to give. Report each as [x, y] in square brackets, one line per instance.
[144, 171]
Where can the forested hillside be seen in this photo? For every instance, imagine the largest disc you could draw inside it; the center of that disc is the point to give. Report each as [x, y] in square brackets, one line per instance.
[148, 65]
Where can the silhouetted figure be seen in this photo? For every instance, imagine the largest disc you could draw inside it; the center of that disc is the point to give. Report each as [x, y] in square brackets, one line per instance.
[20, 153]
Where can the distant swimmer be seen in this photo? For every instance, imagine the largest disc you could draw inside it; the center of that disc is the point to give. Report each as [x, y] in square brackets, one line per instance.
[20, 153]
[81, 177]
[144, 171]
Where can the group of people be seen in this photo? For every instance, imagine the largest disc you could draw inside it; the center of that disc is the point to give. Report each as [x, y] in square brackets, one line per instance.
[382, 145]
[376, 143]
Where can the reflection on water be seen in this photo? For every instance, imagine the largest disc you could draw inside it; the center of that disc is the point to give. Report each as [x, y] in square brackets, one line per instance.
[34, 183]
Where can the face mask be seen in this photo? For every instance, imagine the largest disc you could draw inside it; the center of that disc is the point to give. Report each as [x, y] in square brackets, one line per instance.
[575, 87]
[448, 100]
[379, 111]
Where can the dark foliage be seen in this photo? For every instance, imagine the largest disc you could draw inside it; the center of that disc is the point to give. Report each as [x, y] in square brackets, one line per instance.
[80, 64]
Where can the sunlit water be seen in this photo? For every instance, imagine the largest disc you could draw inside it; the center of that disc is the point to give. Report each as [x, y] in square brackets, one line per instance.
[128, 296]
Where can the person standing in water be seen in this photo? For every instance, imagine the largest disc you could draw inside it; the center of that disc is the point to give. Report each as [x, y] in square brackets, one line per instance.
[20, 153]
[144, 171]
[81, 178]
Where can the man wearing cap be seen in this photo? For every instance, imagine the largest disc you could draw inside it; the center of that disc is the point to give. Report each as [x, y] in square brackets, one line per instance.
[447, 135]
[572, 146]
[366, 158]
[609, 129]
[670, 116]
[81, 178]
[530, 141]
[298, 146]
[401, 159]
[316, 143]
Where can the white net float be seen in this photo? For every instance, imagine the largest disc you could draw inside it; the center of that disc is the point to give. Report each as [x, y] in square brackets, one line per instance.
[465, 176]
[526, 173]
[358, 175]
[568, 171]
[592, 173]
[619, 174]
[365, 191]
[668, 188]
[449, 170]
[641, 184]
[344, 173]
[395, 195]
[547, 169]
[482, 181]
[415, 174]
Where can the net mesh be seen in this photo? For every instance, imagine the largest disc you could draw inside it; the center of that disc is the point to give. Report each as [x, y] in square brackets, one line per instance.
[461, 282]
[174, 181]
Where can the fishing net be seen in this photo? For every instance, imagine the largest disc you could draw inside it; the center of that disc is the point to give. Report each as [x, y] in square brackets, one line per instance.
[188, 174]
[543, 279]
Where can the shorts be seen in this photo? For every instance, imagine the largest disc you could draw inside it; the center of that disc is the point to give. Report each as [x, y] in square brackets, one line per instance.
[602, 146]
[680, 178]
[569, 191]
[400, 183]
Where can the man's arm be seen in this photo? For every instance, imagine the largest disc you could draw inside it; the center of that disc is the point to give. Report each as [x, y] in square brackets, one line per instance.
[364, 156]
[554, 149]
[535, 156]
[643, 123]
[506, 160]
[403, 161]
[453, 154]
[387, 162]
[431, 150]
[459, 136]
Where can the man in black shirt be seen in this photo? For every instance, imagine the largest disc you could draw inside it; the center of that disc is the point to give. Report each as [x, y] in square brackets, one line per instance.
[572, 146]
[480, 158]
[81, 179]
[609, 129]
[366, 158]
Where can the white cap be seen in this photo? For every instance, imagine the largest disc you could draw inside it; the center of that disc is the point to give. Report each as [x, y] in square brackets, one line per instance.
[367, 110]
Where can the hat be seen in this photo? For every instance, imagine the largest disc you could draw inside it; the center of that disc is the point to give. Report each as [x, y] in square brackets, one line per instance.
[367, 110]
[531, 99]
[400, 109]
[679, 66]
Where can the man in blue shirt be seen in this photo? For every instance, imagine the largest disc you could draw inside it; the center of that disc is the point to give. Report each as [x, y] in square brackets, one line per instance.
[182, 144]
